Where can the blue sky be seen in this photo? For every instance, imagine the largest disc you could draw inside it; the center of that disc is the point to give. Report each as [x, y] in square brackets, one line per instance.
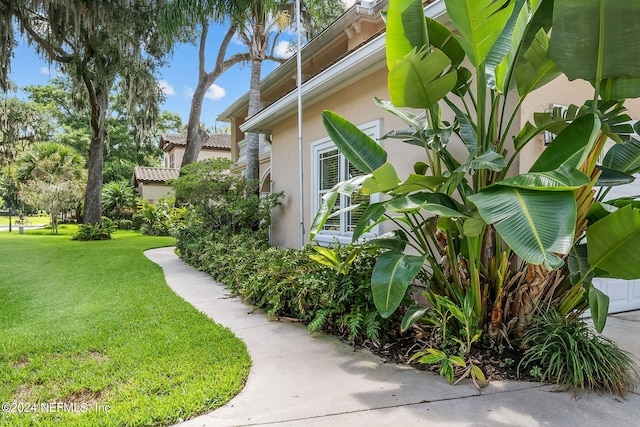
[177, 79]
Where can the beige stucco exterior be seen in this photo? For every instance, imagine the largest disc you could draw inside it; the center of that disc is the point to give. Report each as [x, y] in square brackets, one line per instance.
[154, 191]
[173, 158]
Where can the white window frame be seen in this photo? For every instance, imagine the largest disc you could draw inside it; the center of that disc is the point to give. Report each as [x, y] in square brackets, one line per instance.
[327, 237]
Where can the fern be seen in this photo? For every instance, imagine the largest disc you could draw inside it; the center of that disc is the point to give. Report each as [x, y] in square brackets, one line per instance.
[318, 322]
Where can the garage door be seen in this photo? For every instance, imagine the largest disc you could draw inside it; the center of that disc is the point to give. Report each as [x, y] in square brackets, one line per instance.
[624, 294]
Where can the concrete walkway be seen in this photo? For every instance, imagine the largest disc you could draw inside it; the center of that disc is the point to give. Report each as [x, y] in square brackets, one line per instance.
[299, 379]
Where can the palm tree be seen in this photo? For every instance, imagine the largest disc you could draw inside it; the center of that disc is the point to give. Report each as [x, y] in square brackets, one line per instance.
[50, 161]
[118, 198]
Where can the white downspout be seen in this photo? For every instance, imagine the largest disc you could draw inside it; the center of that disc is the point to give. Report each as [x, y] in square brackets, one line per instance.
[299, 83]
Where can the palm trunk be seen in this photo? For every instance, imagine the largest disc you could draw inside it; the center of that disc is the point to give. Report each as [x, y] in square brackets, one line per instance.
[253, 140]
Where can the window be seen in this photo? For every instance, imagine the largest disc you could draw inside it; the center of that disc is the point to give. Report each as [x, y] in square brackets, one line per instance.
[329, 167]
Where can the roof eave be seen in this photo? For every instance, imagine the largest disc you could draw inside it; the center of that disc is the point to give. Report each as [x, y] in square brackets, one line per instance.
[359, 64]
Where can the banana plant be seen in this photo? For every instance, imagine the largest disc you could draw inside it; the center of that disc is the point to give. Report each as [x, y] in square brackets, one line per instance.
[469, 226]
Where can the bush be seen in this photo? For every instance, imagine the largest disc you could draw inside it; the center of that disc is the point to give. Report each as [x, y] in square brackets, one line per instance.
[99, 231]
[573, 355]
[160, 219]
[287, 283]
[225, 201]
[125, 224]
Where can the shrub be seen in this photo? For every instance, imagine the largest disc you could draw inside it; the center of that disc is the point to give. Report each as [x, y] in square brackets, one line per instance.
[159, 219]
[225, 201]
[118, 199]
[287, 283]
[125, 224]
[99, 231]
[571, 353]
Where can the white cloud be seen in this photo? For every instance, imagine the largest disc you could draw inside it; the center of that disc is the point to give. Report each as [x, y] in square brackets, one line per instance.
[48, 71]
[187, 92]
[215, 92]
[166, 88]
[283, 49]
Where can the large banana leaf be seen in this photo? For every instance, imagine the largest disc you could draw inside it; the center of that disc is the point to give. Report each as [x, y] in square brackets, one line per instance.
[624, 157]
[571, 147]
[503, 53]
[406, 29]
[363, 153]
[329, 200]
[480, 22]
[443, 38]
[392, 275]
[419, 79]
[538, 69]
[595, 40]
[613, 243]
[563, 179]
[535, 224]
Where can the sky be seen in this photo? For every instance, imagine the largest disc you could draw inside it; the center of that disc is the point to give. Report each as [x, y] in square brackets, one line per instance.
[177, 79]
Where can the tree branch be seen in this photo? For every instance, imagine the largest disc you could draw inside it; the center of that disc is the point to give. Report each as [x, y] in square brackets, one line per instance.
[54, 52]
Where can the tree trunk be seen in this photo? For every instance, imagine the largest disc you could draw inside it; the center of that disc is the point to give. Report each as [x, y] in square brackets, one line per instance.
[93, 194]
[253, 140]
[195, 134]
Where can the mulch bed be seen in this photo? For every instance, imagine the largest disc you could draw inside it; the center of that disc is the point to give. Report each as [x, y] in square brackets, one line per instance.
[497, 364]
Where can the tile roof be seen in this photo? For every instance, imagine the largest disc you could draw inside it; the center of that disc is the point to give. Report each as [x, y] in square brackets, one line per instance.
[148, 174]
[218, 141]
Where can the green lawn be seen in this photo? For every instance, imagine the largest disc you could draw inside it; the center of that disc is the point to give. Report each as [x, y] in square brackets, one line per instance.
[31, 220]
[92, 335]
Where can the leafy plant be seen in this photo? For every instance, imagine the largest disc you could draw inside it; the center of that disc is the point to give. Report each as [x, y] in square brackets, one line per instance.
[161, 218]
[225, 201]
[471, 229]
[98, 231]
[118, 200]
[450, 323]
[287, 283]
[573, 355]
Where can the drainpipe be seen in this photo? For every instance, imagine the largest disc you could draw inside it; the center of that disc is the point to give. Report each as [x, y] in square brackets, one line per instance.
[299, 83]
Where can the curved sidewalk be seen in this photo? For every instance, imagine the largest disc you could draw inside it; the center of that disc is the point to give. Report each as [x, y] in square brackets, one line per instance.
[302, 379]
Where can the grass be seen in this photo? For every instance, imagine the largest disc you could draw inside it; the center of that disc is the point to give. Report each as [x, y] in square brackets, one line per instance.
[32, 220]
[91, 330]
[575, 356]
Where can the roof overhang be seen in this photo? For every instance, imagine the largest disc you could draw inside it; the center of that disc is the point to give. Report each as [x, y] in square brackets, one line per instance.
[356, 66]
[362, 62]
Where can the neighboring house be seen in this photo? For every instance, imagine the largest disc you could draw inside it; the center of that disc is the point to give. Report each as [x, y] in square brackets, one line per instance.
[152, 183]
[343, 69]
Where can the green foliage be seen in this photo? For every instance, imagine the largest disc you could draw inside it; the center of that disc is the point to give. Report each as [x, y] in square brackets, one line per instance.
[223, 200]
[464, 225]
[451, 326]
[118, 199]
[98, 231]
[287, 283]
[160, 219]
[571, 354]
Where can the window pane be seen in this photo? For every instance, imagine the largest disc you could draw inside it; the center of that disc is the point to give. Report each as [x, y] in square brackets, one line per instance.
[352, 217]
[329, 169]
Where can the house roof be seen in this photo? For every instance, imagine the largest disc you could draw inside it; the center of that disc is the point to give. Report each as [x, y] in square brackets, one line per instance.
[216, 141]
[147, 174]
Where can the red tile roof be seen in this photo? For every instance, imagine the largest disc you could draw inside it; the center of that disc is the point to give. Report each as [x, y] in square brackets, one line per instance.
[148, 174]
[217, 141]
